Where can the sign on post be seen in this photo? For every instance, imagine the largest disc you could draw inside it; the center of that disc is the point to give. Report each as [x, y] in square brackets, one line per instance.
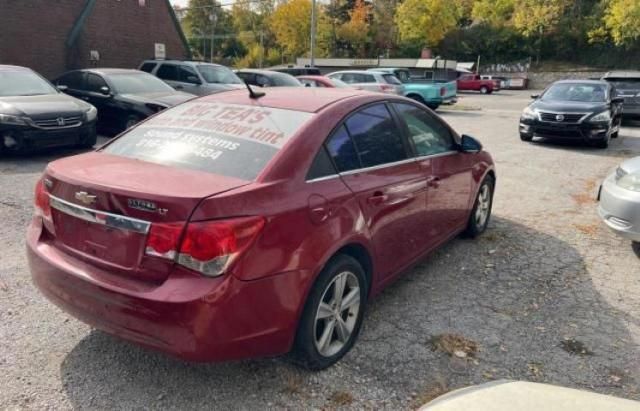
[160, 51]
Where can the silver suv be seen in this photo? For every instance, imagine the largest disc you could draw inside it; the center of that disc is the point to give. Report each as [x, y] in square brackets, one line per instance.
[193, 77]
[370, 80]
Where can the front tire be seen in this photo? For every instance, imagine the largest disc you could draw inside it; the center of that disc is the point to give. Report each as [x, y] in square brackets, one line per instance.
[481, 212]
[332, 315]
[526, 137]
[618, 124]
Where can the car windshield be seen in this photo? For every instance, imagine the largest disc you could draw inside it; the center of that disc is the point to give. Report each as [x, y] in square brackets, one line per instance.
[339, 83]
[218, 74]
[583, 92]
[391, 79]
[226, 139]
[23, 83]
[284, 80]
[138, 83]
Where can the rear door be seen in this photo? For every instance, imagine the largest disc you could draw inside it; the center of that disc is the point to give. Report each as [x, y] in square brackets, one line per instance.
[373, 158]
[450, 178]
[189, 81]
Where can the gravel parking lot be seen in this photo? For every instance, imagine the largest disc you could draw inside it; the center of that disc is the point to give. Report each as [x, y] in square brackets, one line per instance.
[547, 294]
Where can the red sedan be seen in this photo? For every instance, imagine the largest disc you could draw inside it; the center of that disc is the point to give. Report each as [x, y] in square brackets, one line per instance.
[322, 81]
[237, 226]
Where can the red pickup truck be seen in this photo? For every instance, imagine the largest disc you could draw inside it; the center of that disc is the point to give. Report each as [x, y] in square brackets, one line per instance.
[473, 82]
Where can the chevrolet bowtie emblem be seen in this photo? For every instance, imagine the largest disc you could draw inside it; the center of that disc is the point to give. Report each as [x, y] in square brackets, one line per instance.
[85, 198]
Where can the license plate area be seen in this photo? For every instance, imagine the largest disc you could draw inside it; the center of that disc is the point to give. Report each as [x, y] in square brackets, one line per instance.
[113, 239]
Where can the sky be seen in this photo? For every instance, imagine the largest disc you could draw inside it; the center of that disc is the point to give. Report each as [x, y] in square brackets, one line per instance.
[181, 3]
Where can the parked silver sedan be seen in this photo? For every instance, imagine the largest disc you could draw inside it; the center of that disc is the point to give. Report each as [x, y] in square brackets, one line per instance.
[619, 197]
[370, 80]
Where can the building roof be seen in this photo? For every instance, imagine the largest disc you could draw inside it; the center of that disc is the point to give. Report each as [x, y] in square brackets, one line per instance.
[365, 63]
[623, 74]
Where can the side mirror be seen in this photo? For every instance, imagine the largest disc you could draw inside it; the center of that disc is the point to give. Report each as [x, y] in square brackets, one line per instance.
[62, 87]
[535, 96]
[105, 91]
[470, 144]
[617, 100]
[193, 80]
[307, 84]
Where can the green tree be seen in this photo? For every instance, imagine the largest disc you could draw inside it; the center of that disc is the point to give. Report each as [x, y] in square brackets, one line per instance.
[355, 31]
[497, 13]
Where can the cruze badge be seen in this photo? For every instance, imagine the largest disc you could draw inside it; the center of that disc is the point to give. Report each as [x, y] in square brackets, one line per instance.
[85, 198]
[145, 205]
[559, 117]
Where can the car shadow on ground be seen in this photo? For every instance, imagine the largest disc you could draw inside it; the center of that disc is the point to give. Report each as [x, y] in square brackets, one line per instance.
[523, 296]
[623, 146]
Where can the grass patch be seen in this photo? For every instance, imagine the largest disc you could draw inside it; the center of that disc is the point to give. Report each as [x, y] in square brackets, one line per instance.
[341, 398]
[454, 345]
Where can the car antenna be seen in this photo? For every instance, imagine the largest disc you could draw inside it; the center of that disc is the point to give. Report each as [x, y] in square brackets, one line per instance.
[253, 94]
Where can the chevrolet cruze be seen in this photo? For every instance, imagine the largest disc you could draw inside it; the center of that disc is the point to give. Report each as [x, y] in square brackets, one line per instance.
[242, 224]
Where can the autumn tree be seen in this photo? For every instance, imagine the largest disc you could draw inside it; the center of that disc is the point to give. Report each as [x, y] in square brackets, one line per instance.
[426, 21]
[622, 21]
[355, 31]
[291, 25]
[537, 17]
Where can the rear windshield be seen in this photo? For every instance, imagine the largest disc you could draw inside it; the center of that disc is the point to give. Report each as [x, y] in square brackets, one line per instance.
[285, 80]
[626, 83]
[226, 139]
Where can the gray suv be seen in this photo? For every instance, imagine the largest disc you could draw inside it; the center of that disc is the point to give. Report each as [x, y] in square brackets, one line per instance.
[193, 77]
[627, 86]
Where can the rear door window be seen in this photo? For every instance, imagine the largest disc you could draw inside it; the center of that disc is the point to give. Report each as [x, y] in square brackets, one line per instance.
[343, 151]
[391, 79]
[376, 136]
[226, 139]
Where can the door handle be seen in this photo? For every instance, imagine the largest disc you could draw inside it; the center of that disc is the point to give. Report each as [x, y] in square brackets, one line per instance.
[377, 198]
[179, 87]
[433, 182]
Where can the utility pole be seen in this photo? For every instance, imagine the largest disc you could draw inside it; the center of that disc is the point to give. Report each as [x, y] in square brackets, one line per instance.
[261, 48]
[213, 19]
[313, 32]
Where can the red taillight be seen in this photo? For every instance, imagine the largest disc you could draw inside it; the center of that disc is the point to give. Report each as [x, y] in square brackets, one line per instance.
[43, 208]
[163, 240]
[386, 88]
[208, 247]
[443, 91]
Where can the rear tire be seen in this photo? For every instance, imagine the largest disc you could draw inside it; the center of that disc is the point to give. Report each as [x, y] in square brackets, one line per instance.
[484, 90]
[131, 121]
[481, 212]
[330, 325]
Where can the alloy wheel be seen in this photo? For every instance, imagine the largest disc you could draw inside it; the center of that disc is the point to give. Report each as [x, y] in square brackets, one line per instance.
[484, 203]
[337, 314]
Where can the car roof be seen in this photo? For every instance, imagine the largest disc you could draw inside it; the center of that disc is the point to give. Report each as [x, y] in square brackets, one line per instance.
[8, 67]
[578, 81]
[313, 77]
[264, 72]
[355, 72]
[105, 71]
[623, 74]
[307, 99]
[190, 62]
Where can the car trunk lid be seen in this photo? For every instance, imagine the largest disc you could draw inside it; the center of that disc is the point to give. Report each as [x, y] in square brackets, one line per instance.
[103, 207]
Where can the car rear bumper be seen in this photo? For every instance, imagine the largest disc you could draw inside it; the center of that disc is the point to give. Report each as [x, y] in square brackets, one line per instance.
[20, 138]
[619, 208]
[579, 131]
[188, 316]
[631, 110]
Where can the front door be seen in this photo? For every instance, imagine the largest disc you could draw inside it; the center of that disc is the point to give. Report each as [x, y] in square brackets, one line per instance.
[450, 177]
[373, 158]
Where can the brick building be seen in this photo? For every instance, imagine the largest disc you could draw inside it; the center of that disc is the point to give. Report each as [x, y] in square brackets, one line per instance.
[53, 36]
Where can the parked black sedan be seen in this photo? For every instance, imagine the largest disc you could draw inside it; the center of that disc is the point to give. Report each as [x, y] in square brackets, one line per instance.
[585, 110]
[34, 115]
[123, 97]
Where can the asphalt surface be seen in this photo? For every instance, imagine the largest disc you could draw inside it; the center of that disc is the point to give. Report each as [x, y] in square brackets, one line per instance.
[547, 294]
